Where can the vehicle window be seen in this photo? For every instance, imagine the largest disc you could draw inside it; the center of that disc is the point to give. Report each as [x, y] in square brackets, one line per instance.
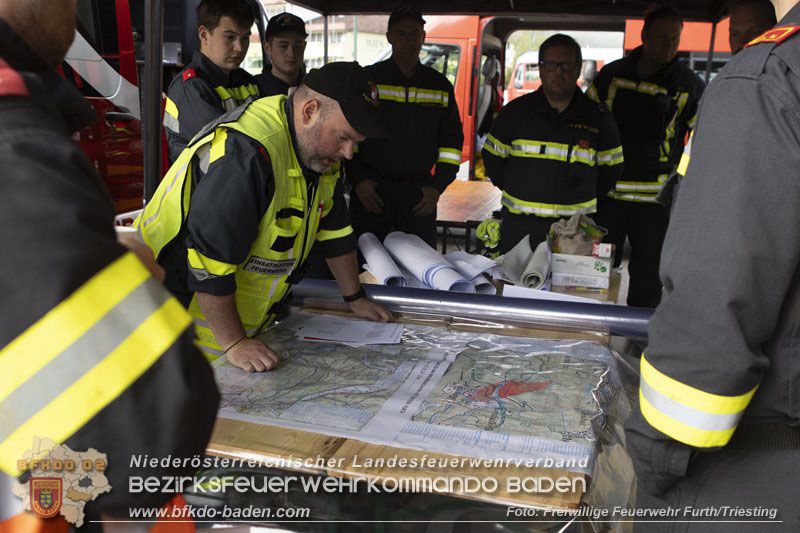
[441, 57]
[531, 72]
[97, 22]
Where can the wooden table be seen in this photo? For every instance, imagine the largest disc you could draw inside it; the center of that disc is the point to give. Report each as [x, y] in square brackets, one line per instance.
[465, 204]
[244, 440]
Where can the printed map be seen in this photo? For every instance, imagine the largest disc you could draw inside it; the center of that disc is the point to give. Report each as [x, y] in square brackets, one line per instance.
[547, 395]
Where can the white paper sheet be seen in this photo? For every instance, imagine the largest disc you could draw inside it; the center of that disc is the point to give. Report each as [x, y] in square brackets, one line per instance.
[379, 263]
[425, 263]
[512, 291]
[470, 265]
[328, 328]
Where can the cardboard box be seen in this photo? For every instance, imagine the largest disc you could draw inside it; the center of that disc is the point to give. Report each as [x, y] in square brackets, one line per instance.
[582, 265]
[578, 280]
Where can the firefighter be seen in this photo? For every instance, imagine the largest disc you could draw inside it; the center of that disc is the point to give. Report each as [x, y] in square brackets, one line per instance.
[212, 83]
[552, 152]
[394, 188]
[749, 19]
[654, 100]
[94, 353]
[235, 217]
[718, 419]
[285, 42]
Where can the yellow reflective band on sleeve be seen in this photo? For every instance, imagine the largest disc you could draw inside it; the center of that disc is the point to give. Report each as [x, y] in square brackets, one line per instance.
[130, 321]
[212, 267]
[610, 157]
[243, 92]
[517, 206]
[632, 197]
[71, 319]
[330, 234]
[223, 93]
[449, 155]
[647, 187]
[494, 146]
[687, 414]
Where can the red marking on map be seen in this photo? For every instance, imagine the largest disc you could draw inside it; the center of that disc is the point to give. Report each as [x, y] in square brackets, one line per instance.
[508, 388]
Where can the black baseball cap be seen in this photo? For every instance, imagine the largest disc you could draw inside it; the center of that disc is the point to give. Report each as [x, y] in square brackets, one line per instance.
[406, 12]
[352, 87]
[285, 22]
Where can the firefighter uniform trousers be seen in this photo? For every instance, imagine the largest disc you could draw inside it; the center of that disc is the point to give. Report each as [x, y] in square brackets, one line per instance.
[653, 116]
[716, 432]
[550, 165]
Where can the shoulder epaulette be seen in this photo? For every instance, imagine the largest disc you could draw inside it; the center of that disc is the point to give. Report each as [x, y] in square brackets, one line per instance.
[775, 35]
[189, 73]
[11, 82]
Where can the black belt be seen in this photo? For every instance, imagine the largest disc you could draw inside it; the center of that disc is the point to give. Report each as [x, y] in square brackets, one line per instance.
[766, 438]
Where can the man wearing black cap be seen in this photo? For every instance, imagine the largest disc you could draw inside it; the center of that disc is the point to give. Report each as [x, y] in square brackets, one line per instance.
[394, 188]
[212, 83]
[234, 219]
[285, 43]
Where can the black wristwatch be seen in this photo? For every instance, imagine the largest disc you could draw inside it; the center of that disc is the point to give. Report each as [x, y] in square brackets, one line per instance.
[355, 296]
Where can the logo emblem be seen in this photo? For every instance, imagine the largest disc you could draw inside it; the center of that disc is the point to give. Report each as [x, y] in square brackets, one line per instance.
[46, 495]
[372, 97]
[775, 35]
[584, 144]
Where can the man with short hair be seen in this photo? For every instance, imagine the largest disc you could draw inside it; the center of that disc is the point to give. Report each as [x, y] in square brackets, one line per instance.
[552, 152]
[748, 20]
[717, 424]
[392, 180]
[654, 100]
[264, 190]
[212, 83]
[94, 353]
[285, 42]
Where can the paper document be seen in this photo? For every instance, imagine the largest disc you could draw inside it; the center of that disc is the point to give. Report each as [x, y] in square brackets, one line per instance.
[512, 291]
[379, 262]
[425, 263]
[339, 329]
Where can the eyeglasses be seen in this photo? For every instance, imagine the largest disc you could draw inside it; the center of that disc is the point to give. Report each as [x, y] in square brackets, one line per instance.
[551, 66]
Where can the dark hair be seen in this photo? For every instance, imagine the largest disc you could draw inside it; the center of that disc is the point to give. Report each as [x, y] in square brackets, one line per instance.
[560, 39]
[209, 12]
[765, 6]
[658, 13]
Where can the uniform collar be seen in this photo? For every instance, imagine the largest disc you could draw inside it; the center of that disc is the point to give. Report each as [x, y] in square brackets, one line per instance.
[278, 82]
[634, 64]
[211, 71]
[44, 85]
[541, 105]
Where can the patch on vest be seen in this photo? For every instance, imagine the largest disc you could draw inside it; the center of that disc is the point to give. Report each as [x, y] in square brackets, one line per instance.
[270, 267]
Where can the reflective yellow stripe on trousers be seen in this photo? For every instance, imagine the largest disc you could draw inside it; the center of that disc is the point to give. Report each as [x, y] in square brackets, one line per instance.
[83, 354]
